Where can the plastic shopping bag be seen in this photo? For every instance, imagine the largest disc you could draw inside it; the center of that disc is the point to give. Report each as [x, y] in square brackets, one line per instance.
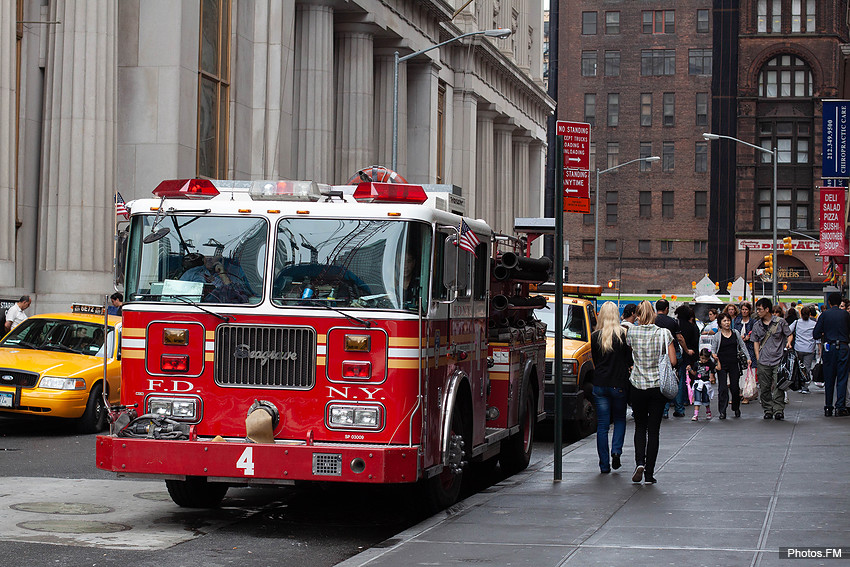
[749, 388]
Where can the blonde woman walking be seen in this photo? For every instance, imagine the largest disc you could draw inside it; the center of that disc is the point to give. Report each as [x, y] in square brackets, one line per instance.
[612, 358]
[648, 342]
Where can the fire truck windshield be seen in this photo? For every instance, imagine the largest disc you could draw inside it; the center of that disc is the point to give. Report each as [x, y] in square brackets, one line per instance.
[375, 264]
[203, 259]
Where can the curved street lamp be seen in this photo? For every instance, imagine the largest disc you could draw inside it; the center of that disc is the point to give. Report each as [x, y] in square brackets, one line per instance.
[500, 33]
[596, 209]
[775, 153]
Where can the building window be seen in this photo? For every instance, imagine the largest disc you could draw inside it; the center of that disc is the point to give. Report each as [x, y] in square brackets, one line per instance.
[592, 156]
[700, 204]
[669, 109]
[645, 201]
[589, 219]
[785, 76]
[702, 109]
[793, 208]
[700, 246]
[213, 88]
[613, 154]
[701, 157]
[667, 204]
[588, 23]
[699, 61]
[611, 198]
[587, 246]
[666, 246]
[613, 109]
[590, 108]
[769, 16]
[657, 62]
[791, 140]
[646, 109]
[645, 152]
[702, 21]
[643, 246]
[667, 158]
[659, 21]
[588, 63]
[610, 246]
[612, 23]
[612, 63]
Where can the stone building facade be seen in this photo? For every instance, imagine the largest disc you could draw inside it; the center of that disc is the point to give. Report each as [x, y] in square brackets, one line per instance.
[100, 96]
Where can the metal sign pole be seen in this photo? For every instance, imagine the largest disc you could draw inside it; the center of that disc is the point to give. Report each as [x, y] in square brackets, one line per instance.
[558, 370]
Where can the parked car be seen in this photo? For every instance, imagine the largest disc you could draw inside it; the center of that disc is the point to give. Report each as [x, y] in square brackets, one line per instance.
[52, 365]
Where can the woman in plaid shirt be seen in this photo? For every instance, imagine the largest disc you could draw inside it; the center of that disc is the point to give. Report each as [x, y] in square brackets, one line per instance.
[648, 342]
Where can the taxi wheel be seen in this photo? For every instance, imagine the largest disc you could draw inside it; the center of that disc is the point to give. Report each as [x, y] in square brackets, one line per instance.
[94, 418]
[196, 492]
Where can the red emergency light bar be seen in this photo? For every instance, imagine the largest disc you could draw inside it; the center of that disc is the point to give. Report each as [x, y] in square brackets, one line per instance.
[186, 189]
[390, 193]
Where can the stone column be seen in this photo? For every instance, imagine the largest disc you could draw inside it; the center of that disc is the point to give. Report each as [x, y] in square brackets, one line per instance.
[76, 216]
[355, 100]
[465, 145]
[485, 195]
[383, 112]
[536, 178]
[8, 202]
[522, 189]
[504, 197]
[314, 94]
[421, 123]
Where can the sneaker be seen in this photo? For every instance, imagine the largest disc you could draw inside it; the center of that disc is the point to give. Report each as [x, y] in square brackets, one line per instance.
[779, 416]
[695, 418]
[665, 416]
[819, 384]
[768, 416]
[678, 414]
[649, 479]
[827, 412]
[708, 416]
[842, 412]
[615, 462]
[805, 391]
[638, 474]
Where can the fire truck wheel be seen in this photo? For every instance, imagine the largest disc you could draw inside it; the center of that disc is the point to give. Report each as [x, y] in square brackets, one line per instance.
[443, 490]
[586, 423]
[516, 450]
[94, 418]
[196, 492]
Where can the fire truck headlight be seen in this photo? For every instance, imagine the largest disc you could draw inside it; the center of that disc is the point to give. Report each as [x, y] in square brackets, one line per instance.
[184, 409]
[354, 417]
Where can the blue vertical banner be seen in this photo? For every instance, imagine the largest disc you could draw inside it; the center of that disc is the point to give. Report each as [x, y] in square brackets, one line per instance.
[836, 114]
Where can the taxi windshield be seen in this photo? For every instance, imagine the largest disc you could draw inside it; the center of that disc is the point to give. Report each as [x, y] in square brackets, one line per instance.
[351, 263]
[574, 321]
[59, 335]
[203, 259]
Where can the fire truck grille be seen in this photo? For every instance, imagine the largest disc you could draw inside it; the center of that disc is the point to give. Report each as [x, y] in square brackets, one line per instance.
[327, 464]
[265, 356]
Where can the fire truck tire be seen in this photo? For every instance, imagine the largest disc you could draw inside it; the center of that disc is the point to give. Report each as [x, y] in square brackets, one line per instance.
[443, 490]
[196, 492]
[516, 450]
[586, 423]
[94, 418]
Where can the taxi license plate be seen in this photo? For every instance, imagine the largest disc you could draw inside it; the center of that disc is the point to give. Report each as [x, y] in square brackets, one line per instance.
[6, 400]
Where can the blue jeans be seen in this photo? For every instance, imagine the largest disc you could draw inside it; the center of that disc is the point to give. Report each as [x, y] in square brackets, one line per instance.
[681, 399]
[610, 405]
[835, 362]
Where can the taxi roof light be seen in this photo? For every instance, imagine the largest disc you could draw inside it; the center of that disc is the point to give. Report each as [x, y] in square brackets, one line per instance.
[186, 189]
[286, 190]
[390, 193]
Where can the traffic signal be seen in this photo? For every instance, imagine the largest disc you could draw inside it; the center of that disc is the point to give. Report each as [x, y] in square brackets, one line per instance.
[786, 244]
[768, 264]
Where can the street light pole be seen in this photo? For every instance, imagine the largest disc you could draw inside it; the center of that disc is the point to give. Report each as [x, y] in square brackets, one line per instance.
[648, 159]
[499, 33]
[775, 153]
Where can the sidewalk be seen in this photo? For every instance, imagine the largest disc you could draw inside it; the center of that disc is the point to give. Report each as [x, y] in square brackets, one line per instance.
[729, 493]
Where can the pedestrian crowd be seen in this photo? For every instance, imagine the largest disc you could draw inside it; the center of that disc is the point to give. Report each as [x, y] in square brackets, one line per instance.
[743, 353]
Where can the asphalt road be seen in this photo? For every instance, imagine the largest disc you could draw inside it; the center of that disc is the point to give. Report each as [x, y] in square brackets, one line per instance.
[58, 509]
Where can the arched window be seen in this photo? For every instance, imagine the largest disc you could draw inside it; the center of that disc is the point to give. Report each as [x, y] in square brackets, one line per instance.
[785, 76]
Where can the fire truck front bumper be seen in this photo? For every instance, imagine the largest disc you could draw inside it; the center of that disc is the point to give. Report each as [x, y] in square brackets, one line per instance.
[260, 463]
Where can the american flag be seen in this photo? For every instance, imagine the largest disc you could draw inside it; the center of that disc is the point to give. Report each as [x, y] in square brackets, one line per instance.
[467, 239]
[120, 209]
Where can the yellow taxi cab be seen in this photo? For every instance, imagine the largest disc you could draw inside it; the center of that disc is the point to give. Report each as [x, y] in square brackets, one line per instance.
[579, 413]
[52, 365]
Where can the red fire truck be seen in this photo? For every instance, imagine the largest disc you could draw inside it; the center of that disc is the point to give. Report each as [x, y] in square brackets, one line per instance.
[281, 331]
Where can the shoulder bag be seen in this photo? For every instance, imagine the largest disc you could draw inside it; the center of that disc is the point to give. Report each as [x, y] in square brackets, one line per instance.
[669, 380]
[742, 356]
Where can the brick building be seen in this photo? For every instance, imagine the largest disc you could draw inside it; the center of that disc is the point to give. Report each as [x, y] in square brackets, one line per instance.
[754, 70]
[641, 74]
